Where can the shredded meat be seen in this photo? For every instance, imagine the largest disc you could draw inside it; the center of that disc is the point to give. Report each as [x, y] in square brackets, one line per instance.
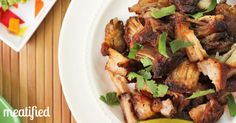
[114, 37]
[186, 6]
[215, 70]
[207, 113]
[185, 75]
[163, 66]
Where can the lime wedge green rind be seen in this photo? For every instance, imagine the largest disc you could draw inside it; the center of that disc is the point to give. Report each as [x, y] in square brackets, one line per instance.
[5, 105]
[165, 120]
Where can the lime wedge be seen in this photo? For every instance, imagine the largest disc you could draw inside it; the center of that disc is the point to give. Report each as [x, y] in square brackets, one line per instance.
[165, 120]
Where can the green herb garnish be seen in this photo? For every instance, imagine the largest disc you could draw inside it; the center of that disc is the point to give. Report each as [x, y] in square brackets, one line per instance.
[162, 44]
[163, 12]
[231, 105]
[146, 61]
[178, 44]
[139, 78]
[201, 93]
[210, 8]
[110, 99]
[157, 90]
[134, 50]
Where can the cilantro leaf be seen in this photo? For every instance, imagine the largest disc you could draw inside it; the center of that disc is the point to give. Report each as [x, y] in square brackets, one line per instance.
[157, 90]
[178, 44]
[139, 78]
[162, 90]
[163, 12]
[231, 105]
[133, 51]
[146, 61]
[145, 74]
[140, 83]
[162, 44]
[110, 99]
[133, 75]
[201, 93]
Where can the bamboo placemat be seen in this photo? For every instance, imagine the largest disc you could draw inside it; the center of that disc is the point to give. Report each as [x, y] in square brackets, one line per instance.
[31, 77]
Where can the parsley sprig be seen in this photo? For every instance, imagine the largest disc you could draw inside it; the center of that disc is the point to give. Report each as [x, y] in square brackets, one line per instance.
[110, 99]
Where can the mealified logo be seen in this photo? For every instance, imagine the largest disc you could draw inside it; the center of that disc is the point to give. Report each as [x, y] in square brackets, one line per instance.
[30, 112]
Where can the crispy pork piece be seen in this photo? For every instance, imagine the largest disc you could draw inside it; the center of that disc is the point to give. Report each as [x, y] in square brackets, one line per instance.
[144, 6]
[133, 26]
[210, 24]
[168, 109]
[229, 13]
[163, 66]
[115, 58]
[127, 107]
[195, 52]
[156, 105]
[147, 51]
[217, 42]
[186, 6]
[185, 75]
[120, 83]
[114, 37]
[142, 106]
[207, 113]
[231, 84]
[216, 71]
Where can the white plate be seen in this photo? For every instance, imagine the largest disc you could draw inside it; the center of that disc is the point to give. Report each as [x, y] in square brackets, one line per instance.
[81, 65]
[26, 12]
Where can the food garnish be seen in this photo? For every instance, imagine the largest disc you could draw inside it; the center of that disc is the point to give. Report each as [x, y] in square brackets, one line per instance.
[164, 12]
[209, 9]
[178, 44]
[162, 44]
[134, 50]
[201, 93]
[110, 99]
[231, 105]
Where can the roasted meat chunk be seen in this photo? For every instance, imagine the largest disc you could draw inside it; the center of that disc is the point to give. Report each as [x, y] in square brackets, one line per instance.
[231, 84]
[163, 66]
[168, 109]
[186, 6]
[127, 107]
[185, 75]
[229, 13]
[195, 52]
[114, 37]
[142, 106]
[216, 71]
[145, 5]
[207, 113]
[133, 26]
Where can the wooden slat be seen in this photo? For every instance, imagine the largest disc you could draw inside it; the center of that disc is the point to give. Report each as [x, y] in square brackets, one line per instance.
[7, 73]
[1, 72]
[57, 92]
[40, 70]
[31, 73]
[15, 83]
[49, 65]
[23, 80]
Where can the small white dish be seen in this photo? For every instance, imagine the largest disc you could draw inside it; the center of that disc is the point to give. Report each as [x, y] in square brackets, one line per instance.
[27, 13]
[81, 64]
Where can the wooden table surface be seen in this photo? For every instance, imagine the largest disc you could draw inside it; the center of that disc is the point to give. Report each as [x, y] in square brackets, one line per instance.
[30, 77]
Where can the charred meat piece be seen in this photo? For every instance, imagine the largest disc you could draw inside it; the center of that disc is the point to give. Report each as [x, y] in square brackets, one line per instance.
[127, 107]
[168, 109]
[185, 75]
[144, 6]
[195, 52]
[231, 84]
[207, 113]
[148, 51]
[216, 71]
[229, 13]
[163, 66]
[133, 26]
[217, 42]
[210, 24]
[186, 6]
[142, 106]
[156, 105]
[115, 58]
[114, 37]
